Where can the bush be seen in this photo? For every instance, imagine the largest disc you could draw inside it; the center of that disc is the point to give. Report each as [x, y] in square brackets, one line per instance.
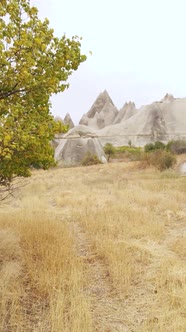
[153, 147]
[90, 159]
[161, 160]
[109, 150]
[149, 147]
[159, 145]
[177, 146]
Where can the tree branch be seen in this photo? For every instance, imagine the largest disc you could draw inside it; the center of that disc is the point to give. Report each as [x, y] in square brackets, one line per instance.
[12, 92]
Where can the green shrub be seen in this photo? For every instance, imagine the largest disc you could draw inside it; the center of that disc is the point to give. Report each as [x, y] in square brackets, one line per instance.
[109, 150]
[149, 147]
[159, 145]
[177, 146]
[153, 147]
[90, 159]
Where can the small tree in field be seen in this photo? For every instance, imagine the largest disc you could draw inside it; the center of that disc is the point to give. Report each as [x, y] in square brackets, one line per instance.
[34, 64]
[109, 150]
[130, 142]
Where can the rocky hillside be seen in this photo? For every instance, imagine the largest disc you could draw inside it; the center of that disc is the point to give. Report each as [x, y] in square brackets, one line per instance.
[162, 120]
[103, 123]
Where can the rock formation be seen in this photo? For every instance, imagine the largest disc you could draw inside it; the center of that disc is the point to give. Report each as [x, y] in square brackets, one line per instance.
[80, 131]
[74, 146]
[68, 121]
[101, 114]
[164, 120]
[167, 99]
[128, 110]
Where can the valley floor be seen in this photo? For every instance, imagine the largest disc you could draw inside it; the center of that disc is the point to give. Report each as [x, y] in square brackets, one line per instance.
[99, 248]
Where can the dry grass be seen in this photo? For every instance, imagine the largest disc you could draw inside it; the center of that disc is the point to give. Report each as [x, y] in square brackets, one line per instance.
[179, 246]
[41, 276]
[99, 248]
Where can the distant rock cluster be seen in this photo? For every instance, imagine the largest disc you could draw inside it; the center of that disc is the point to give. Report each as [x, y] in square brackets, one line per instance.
[67, 120]
[104, 123]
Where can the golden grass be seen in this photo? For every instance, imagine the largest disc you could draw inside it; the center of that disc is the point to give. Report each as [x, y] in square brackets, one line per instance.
[41, 277]
[81, 247]
[179, 246]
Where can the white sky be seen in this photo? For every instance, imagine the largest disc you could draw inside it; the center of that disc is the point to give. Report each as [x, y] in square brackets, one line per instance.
[138, 50]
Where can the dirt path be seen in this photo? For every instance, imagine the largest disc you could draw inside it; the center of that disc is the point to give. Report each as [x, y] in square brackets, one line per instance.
[108, 311]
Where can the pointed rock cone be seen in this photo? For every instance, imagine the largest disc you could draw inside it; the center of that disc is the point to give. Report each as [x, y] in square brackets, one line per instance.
[101, 114]
[68, 121]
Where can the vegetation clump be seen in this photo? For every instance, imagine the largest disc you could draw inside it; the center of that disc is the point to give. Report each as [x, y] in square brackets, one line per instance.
[154, 146]
[160, 159]
[177, 146]
[109, 150]
[90, 159]
[162, 156]
[130, 152]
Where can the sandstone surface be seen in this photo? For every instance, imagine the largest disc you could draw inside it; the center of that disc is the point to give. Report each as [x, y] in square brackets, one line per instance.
[101, 114]
[164, 120]
[74, 146]
[68, 121]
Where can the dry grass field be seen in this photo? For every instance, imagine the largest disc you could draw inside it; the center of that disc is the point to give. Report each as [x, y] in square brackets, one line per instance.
[99, 248]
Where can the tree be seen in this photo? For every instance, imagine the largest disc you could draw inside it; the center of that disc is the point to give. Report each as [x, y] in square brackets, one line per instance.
[34, 64]
[130, 142]
[109, 150]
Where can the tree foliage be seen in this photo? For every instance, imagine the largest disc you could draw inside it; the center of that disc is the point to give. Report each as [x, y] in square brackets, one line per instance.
[34, 64]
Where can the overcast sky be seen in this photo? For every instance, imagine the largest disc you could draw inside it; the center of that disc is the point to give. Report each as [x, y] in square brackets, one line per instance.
[138, 50]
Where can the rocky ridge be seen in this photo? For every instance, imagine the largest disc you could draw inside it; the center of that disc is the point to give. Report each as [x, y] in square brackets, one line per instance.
[163, 120]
